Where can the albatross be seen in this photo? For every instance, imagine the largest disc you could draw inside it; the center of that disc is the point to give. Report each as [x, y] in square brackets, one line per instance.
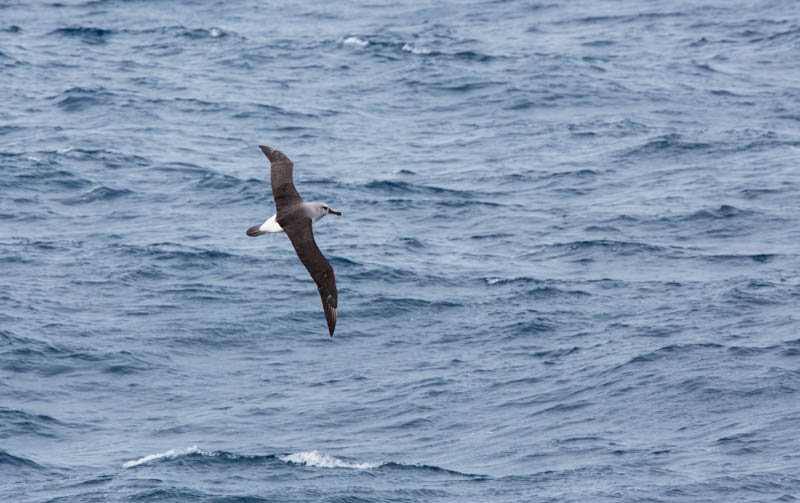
[295, 217]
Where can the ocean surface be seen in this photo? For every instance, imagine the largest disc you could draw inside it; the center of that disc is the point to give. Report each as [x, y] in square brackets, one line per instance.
[568, 262]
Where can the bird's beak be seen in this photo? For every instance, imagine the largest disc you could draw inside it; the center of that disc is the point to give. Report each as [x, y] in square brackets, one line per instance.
[331, 210]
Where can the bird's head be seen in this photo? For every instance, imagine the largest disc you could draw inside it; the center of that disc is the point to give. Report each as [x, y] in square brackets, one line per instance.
[323, 209]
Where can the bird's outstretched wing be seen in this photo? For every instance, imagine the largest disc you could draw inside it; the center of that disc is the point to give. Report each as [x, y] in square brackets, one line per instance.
[302, 237]
[280, 178]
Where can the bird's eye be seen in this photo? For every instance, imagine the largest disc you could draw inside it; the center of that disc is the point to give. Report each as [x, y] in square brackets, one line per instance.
[324, 207]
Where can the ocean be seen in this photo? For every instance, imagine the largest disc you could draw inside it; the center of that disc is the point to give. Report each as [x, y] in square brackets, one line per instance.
[568, 262]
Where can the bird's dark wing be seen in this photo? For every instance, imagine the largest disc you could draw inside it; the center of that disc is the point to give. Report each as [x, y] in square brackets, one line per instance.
[299, 232]
[280, 178]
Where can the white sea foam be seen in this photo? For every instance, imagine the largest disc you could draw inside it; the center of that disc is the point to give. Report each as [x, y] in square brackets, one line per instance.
[415, 50]
[64, 150]
[215, 32]
[170, 454]
[355, 41]
[314, 458]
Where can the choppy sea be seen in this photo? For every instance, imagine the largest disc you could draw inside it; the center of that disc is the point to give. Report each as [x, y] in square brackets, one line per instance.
[567, 263]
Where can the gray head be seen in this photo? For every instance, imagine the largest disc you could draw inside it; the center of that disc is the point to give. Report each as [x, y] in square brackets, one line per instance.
[319, 210]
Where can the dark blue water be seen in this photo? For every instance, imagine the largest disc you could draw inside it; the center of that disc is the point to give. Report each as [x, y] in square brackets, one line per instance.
[568, 264]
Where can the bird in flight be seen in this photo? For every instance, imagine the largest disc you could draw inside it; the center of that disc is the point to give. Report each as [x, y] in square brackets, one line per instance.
[295, 217]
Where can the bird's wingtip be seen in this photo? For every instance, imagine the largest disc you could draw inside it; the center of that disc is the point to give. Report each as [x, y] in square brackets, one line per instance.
[333, 313]
[254, 231]
[272, 154]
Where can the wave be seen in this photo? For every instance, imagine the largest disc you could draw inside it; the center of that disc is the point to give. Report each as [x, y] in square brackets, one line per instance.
[319, 460]
[666, 145]
[395, 187]
[754, 294]
[204, 33]
[358, 42]
[168, 251]
[537, 325]
[180, 31]
[398, 47]
[391, 306]
[582, 248]
[217, 181]
[759, 193]
[537, 289]
[415, 50]
[231, 190]
[760, 258]
[311, 459]
[109, 158]
[512, 281]
[723, 212]
[782, 37]
[99, 194]
[76, 99]
[48, 178]
[674, 351]
[261, 110]
[307, 458]
[622, 18]
[359, 272]
[46, 359]
[170, 454]
[7, 61]
[721, 221]
[87, 34]
[21, 423]
[13, 461]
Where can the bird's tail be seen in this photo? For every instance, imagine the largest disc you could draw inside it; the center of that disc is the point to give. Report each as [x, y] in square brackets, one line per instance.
[255, 231]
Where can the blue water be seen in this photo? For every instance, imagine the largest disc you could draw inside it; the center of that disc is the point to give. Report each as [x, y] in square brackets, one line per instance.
[568, 261]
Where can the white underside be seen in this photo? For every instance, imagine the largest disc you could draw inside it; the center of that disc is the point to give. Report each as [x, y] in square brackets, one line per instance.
[271, 225]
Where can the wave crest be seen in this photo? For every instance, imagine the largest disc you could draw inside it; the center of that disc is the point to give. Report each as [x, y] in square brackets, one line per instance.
[311, 458]
[170, 454]
[320, 460]
[355, 41]
[308, 458]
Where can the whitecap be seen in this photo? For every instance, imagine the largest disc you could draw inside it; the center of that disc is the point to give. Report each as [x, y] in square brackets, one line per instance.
[414, 50]
[355, 41]
[170, 454]
[215, 32]
[317, 459]
[64, 150]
